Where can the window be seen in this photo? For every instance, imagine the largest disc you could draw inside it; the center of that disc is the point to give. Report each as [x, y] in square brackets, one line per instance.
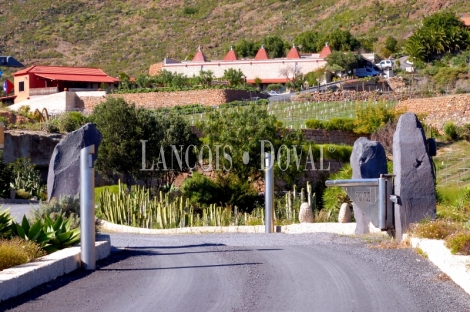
[21, 86]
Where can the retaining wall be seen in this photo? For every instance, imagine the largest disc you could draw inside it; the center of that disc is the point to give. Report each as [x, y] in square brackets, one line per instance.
[152, 100]
[440, 110]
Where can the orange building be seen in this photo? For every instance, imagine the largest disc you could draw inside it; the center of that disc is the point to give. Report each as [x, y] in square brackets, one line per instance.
[43, 80]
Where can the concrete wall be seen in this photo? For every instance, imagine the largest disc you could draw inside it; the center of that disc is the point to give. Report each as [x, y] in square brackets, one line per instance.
[57, 102]
[266, 69]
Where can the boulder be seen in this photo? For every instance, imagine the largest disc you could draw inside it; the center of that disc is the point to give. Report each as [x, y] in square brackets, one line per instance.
[344, 213]
[64, 168]
[414, 175]
[368, 161]
[305, 213]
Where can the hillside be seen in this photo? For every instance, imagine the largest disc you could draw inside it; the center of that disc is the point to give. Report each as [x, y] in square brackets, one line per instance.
[124, 35]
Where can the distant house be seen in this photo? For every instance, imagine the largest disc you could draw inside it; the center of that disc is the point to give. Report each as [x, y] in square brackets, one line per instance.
[269, 71]
[44, 80]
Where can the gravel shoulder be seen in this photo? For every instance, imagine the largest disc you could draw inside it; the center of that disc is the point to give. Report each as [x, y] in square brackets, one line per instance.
[250, 272]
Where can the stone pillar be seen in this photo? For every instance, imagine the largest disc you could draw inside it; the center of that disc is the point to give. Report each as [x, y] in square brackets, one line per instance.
[368, 161]
[414, 175]
[64, 168]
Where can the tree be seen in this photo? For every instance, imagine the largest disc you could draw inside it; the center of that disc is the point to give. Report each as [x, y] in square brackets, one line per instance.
[339, 61]
[205, 77]
[342, 40]
[240, 134]
[179, 145]
[245, 48]
[124, 127]
[120, 149]
[439, 33]
[275, 46]
[234, 77]
[294, 76]
[311, 41]
[391, 44]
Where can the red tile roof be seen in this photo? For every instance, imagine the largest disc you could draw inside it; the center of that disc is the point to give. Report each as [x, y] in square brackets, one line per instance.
[261, 55]
[82, 78]
[231, 55]
[199, 57]
[85, 74]
[325, 52]
[293, 53]
[91, 71]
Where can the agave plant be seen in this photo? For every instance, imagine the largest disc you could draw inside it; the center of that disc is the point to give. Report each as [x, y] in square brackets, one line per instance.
[59, 233]
[30, 232]
[50, 235]
[5, 223]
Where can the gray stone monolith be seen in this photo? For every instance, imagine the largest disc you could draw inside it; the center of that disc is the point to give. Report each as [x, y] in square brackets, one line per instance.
[63, 177]
[368, 161]
[414, 175]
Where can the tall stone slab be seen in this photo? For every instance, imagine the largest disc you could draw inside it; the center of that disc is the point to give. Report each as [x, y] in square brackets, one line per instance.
[414, 175]
[368, 161]
[64, 167]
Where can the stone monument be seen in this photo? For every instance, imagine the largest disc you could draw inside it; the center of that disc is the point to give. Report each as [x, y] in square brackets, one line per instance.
[414, 175]
[368, 161]
[64, 168]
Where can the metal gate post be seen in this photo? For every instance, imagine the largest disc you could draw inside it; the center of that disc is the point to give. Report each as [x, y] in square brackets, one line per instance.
[87, 208]
[269, 193]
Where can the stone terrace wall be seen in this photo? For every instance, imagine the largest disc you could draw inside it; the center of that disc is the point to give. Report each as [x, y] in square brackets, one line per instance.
[152, 100]
[440, 110]
[330, 136]
[317, 136]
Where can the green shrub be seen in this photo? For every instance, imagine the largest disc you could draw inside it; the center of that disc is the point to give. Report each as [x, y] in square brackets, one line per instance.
[71, 121]
[274, 87]
[52, 126]
[450, 130]
[315, 124]
[18, 251]
[371, 118]
[200, 189]
[333, 197]
[345, 124]
[66, 206]
[459, 243]
[25, 179]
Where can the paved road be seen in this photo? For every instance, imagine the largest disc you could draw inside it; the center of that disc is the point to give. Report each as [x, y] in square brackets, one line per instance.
[18, 210]
[249, 272]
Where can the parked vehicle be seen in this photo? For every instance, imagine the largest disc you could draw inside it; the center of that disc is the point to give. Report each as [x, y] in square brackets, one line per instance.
[385, 64]
[366, 72]
[273, 93]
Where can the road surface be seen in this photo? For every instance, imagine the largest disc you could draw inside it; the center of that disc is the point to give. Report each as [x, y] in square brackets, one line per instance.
[249, 272]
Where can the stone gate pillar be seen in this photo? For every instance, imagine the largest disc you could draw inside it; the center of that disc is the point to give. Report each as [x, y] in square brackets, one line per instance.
[414, 175]
[368, 161]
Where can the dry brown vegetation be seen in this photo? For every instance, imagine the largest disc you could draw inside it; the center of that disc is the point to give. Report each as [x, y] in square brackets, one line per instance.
[131, 35]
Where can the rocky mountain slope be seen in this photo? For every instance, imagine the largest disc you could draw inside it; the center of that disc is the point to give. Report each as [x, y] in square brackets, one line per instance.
[129, 35]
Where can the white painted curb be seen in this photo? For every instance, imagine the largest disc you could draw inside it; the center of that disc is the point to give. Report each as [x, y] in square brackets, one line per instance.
[17, 280]
[455, 266]
[338, 228]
